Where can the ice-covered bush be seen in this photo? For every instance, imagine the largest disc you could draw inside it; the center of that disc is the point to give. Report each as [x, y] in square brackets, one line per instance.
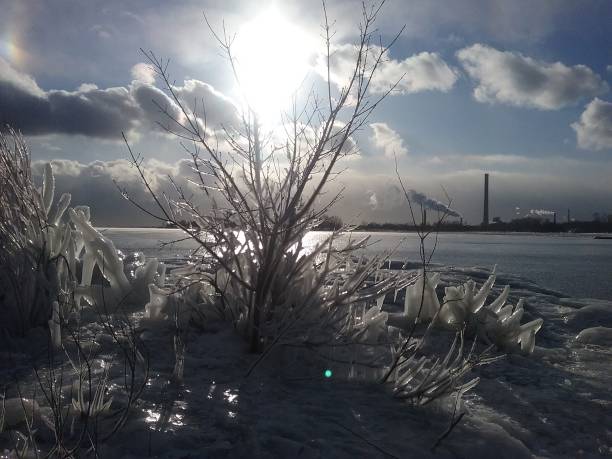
[49, 252]
[263, 196]
[463, 308]
[33, 241]
[125, 285]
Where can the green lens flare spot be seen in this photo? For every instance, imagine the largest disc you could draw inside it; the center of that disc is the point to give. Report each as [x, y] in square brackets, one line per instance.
[327, 373]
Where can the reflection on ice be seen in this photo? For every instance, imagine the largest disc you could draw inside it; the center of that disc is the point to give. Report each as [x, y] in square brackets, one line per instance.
[230, 396]
[152, 416]
[211, 391]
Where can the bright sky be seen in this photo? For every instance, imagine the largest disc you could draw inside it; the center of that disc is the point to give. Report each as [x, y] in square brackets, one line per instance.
[518, 89]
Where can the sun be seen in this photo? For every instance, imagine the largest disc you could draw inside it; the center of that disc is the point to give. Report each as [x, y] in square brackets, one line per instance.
[273, 57]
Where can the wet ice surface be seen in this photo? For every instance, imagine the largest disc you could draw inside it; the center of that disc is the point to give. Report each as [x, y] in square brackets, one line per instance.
[555, 403]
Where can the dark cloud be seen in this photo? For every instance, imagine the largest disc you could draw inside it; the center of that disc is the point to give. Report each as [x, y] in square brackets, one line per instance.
[102, 113]
[154, 102]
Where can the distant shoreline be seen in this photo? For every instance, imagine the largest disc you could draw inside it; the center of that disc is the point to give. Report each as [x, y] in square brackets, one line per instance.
[442, 230]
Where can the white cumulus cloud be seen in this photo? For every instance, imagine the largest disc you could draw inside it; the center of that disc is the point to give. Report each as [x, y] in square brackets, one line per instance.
[514, 79]
[144, 73]
[594, 129]
[425, 71]
[387, 140]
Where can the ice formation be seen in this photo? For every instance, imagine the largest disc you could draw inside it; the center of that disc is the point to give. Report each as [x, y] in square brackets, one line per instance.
[424, 379]
[502, 326]
[421, 302]
[98, 404]
[461, 302]
[157, 302]
[373, 324]
[464, 306]
[101, 252]
[68, 249]
[601, 336]
[55, 326]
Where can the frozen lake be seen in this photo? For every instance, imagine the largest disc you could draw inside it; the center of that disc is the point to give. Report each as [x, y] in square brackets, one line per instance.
[573, 264]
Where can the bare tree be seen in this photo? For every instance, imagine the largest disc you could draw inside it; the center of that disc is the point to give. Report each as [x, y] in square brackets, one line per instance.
[263, 197]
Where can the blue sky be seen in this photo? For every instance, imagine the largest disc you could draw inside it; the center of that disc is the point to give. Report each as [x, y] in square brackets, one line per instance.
[518, 89]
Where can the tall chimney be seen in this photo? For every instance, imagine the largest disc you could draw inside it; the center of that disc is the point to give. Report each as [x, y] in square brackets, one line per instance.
[554, 218]
[424, 221]
[568, 216]
[485, 216]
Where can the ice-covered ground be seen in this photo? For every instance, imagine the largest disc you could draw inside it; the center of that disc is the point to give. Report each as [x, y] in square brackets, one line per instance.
[555, 403]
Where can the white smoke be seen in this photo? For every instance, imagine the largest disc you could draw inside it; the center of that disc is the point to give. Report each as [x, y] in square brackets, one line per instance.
[541, 213]
[392, 197]
[373, 200]
[431, 204]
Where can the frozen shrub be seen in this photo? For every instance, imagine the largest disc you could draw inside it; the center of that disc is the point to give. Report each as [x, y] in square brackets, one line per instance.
[463, 308]
[263, 196]
[53, 250]
[33, 272]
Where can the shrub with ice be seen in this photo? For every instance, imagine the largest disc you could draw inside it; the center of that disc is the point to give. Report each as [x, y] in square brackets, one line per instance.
[463, 307]
[54, 251]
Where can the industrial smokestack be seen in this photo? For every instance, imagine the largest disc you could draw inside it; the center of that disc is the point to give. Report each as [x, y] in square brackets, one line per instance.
[424, 221]
[555, 218]
[485, 216]
[568, 216]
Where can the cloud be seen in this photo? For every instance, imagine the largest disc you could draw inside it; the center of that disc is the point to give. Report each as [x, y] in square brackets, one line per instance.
[594, 129]
[144, 73]
[514, 79]
[336, 136]
[388, 141]
[102, 113]
[421, 72]
[102, 32]
[93, 184]
[153, 102]
[208, 103]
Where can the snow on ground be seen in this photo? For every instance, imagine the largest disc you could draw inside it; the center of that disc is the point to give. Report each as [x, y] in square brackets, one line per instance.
[555, 403]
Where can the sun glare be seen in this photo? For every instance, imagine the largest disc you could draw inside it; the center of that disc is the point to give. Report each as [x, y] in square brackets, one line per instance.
[272, 59]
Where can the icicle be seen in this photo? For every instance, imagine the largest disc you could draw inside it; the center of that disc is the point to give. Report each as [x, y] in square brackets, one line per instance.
[157, 302]
[61, 207]
[55, 327]
[48, 187]
[500, 301]
[380, 301]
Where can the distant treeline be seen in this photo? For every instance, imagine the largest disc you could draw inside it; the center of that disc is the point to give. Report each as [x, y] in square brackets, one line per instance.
[531, 225]
[528, 225]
